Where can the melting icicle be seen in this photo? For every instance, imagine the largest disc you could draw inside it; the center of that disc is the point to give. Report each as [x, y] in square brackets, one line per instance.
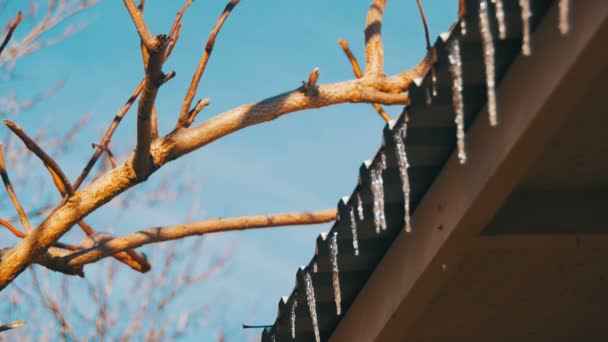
[378, 194]
[360, 207]
[500, 18]
[429, 99]
[292, 317]
[405, 182]
[353, 227]
[456, 72]
[312, 305]
[564, 16]
[434, 79]
[526, 13]
[335, 272]
[488, 59]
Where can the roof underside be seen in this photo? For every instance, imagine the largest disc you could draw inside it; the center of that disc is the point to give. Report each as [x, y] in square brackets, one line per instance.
[429, 143]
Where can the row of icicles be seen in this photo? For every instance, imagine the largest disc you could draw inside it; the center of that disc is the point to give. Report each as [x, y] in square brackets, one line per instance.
[356, 212]
[488, 56]
[399, 135]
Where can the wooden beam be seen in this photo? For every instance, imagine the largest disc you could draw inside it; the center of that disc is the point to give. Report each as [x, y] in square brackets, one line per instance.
[536, 96]
[567, 211]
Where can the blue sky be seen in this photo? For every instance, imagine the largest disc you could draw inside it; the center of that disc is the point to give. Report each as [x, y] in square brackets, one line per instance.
[303, 161]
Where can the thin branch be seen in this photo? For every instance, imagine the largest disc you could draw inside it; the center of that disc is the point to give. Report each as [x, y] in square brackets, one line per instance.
[374, 51]
[50, 164]
[197, 109]
[105, 141]
[196, 78]
[12, 229]
[359, 74]
[10, 32]
[12, 325]
[426, 28]
[11, 194]
[140, 25]
[108, 153]
[153, 235]
[174, 31]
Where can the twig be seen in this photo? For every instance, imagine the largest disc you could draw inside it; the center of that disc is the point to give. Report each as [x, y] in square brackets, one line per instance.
[310, 86]
[12, 325]
[374, 51]
[174, 31]
[108, 153]
[197, 109]
[154, 235]
[196, 78]
[108, 136]
[426, 28]
[51, 165]
[358, 74]
[12, 229]
[10, 32]
[11, 194]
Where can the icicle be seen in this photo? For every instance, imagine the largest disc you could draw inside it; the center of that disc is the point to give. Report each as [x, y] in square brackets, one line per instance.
[335, 272]
[378, 194]
[434, 79]
[312, 305]
[463, 26]
[500, 18]
[405, 182]
[353, 228]
[315, 267]
[564, 16]
[360, 207]
[456, 72]
[292, 317]
[488, 59]
[429, 99]
[526, 13]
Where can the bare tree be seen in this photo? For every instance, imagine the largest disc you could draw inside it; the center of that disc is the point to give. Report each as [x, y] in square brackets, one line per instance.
[41, 244]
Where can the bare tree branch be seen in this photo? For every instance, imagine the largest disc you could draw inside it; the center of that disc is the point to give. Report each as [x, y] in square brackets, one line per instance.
[374, 51]
[10, 32]
[358, 74]
[196, 78]
[374, 87]
[152, 81]
[12, 325]
[153, 235]
[426, 28]
[140, 25]
[58, 176]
